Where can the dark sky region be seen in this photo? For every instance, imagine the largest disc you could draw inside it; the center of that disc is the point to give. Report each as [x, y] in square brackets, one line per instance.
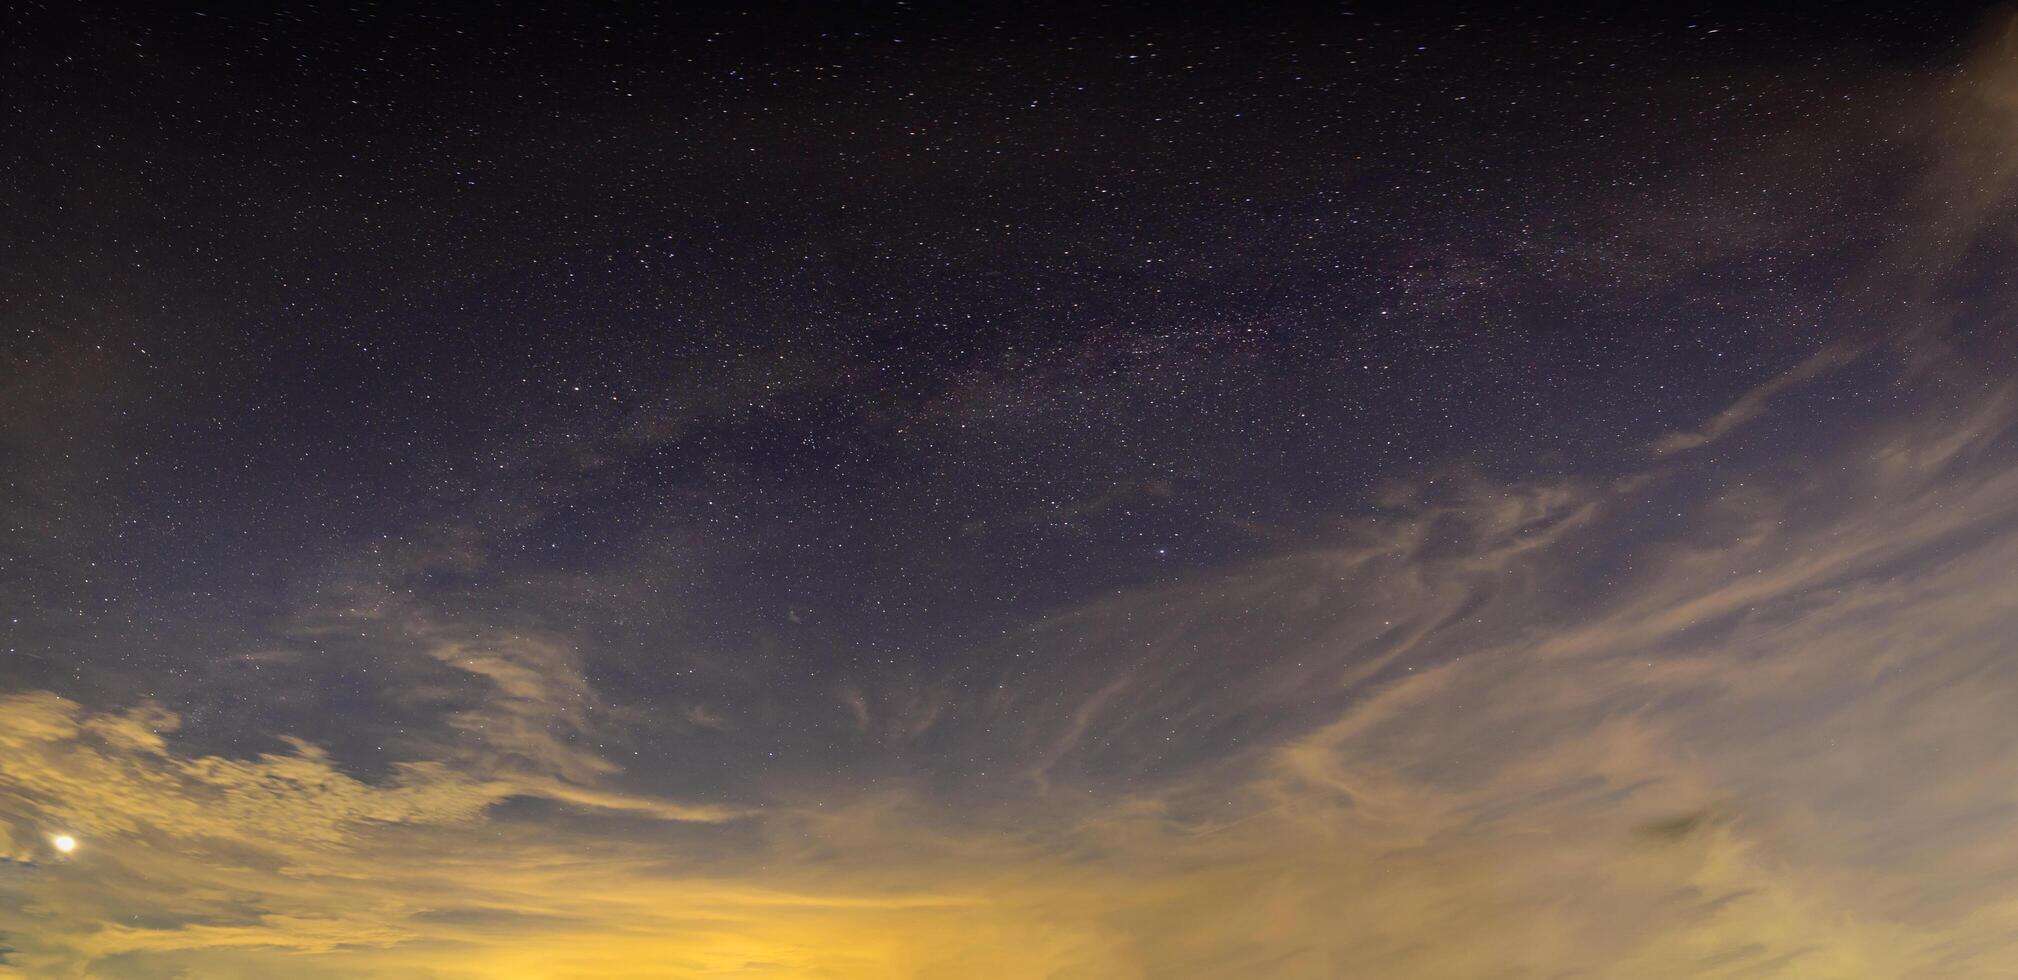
[1080, 492]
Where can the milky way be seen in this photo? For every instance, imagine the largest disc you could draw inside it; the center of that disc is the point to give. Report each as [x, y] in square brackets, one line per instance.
[1108, 493]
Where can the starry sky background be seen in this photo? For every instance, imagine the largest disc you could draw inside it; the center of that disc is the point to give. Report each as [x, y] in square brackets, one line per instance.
[1100, 492]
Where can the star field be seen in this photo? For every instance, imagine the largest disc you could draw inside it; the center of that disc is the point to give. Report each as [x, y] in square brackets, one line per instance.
[786, 491]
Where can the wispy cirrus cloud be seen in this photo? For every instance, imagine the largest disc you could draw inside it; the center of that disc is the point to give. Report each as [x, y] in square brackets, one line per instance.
[1756, 750]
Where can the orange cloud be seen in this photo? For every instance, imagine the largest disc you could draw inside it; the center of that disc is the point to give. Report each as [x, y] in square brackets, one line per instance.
[1761, 754]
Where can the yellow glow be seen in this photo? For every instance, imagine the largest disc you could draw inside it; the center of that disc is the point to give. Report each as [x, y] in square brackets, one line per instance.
[64, 843]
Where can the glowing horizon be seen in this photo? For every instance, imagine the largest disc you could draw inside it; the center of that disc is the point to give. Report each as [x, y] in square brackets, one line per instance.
[829, 504]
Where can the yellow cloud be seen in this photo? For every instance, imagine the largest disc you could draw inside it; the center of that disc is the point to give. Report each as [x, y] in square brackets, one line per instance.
[1762, 755]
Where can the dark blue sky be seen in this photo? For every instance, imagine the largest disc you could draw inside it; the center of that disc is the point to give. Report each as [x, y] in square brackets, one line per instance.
[616, 411]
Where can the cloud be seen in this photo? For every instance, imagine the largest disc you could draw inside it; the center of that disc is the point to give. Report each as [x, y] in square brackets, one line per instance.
[1756, 749]
[284, 851]
[1753, 403]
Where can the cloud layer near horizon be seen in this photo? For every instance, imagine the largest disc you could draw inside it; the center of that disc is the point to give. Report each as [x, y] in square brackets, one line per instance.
[1756, 748]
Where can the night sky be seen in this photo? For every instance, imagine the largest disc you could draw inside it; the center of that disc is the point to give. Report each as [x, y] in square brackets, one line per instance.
[1084, 492]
